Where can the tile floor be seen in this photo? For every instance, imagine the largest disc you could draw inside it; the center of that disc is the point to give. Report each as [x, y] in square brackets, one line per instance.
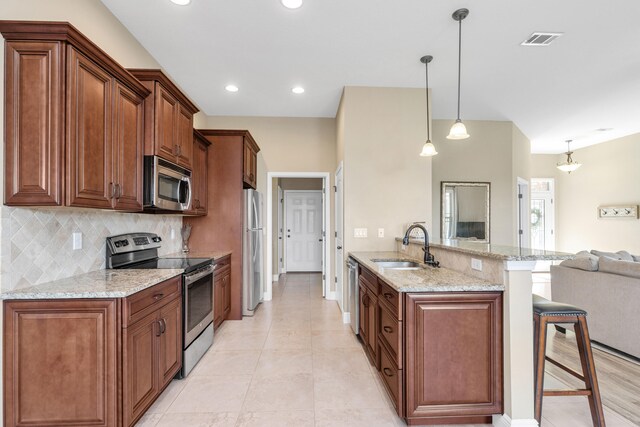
[296, 364]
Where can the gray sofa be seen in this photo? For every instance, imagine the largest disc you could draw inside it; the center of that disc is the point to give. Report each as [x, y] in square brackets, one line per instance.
[609, 290]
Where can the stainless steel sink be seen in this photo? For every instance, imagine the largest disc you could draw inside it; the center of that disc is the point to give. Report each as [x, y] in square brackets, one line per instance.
[398, 265]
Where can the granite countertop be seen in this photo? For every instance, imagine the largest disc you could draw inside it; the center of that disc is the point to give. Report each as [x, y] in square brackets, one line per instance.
[96, 284]
[426, 279]
[505, 253]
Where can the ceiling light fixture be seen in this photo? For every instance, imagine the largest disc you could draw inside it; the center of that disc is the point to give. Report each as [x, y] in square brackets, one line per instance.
[298, 90]
[428, 148]
[231, 88]
[291, 4]
[459, 130]
[181, 2]
[568, 165]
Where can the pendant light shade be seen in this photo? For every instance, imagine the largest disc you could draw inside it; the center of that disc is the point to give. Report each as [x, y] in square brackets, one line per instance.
[568, 165]
[428, 149]
[459, 130]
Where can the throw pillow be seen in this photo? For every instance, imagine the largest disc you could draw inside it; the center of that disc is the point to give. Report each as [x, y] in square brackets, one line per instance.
[586, 262]
[611, 255]
[622, 268]
[625, 256]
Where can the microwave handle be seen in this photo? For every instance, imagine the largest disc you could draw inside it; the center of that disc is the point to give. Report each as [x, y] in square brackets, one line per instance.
[187, 181]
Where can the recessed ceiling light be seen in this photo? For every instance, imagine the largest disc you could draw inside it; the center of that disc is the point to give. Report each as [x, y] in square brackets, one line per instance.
[291, 4]
[181, 2]
[231, 88]
[298, 90]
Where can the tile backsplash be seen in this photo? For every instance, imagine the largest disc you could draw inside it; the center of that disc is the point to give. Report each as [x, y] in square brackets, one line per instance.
[36, 244]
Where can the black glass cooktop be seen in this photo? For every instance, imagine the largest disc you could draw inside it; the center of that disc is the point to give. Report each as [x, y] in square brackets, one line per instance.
[188, 264]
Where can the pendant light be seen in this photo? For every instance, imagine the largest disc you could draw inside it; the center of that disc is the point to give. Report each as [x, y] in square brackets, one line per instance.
[459, 130]
[568, 165]
[428, 149]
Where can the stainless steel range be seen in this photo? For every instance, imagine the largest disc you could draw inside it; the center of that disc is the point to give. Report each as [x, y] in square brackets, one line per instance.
[140, 251]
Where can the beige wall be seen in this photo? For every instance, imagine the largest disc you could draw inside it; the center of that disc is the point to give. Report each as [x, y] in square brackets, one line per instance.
[386, 183]
[487, 156]
[609, 175]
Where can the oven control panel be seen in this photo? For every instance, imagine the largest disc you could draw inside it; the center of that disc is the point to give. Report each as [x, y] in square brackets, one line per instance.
[132, 242]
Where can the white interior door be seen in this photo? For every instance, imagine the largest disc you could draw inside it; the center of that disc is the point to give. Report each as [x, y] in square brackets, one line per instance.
[524, 218]
[303, 230]
[280, 231]
[339, 252]
[542, 214]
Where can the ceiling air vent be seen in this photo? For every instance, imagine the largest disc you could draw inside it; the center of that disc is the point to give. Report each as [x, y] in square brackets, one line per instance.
[540, 39]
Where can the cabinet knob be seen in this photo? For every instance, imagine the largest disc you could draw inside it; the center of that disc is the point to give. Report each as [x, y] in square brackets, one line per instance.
[388, 329]
[388, 295]
[388, 372]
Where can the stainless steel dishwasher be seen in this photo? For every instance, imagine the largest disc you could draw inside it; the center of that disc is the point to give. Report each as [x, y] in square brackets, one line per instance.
[354, 307]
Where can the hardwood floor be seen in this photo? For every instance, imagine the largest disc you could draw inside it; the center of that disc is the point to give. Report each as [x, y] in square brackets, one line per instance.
[619, 378]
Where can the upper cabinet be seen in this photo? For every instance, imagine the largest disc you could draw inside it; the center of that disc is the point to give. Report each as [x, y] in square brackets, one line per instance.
[73, 121]
[168, 119]
[250, 162]
[199, 175]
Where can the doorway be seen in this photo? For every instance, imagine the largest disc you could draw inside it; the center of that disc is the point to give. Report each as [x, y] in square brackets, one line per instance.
[542, 214]
[523, 220]
[276, 256]
[303, 230]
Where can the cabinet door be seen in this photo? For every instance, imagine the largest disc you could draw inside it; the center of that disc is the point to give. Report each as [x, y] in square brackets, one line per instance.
[140, 367]
[249, 166]
[372, 325]
[128, 148]
[364, 318]
[184, 137]
[170, 341]
[89, 143]
[199, 179]
[226, 295]
[34, 124]
[454, 354]
[166, 145]
[61, 363]
[218, 301]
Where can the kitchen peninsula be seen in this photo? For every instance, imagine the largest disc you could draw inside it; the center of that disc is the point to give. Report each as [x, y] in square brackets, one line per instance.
[452, 344]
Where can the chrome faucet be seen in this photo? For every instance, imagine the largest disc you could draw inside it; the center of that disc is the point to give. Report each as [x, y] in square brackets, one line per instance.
[428, 257]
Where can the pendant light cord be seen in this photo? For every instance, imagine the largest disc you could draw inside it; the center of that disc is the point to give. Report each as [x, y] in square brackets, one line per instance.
[459, 61]
[426, 66]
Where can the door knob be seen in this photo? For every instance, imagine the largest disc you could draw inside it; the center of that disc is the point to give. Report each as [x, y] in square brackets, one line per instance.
[288, 236]
[319, 240]
[339, 247]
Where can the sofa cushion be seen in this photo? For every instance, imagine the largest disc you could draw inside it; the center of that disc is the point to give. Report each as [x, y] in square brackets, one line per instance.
[625, 256]
[583, 261]
[611, 255]
[636, 258]
[622, 268]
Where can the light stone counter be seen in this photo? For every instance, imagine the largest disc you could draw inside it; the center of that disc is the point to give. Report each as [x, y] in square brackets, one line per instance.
[426, 279]
[96, 284]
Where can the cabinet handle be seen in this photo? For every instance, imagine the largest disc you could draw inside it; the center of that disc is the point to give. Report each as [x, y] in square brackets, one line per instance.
[387, 295]
[159, 330]
[163, 325]
[157, 296]
[251, 177]
[175, 149]
[365, 300]
[118, 191]
[112, 191]
[388, 372]
[388, 329]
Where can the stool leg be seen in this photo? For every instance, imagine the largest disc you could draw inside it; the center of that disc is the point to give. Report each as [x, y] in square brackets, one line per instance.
[540, 345]
[589, 372]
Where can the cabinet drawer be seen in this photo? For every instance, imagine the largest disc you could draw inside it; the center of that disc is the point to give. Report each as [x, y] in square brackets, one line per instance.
[371, 285]
[222, 265]
[369, 276]
[391, 298]
[144, 302]
[389, 332]
[391, 377]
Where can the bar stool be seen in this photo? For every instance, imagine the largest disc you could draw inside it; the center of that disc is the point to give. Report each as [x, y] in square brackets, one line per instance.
[547, 312]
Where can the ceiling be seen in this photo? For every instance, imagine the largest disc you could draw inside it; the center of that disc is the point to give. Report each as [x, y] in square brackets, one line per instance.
[588, 79]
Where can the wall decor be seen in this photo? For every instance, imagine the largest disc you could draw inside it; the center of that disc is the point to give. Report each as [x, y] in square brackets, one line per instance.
[628, 211]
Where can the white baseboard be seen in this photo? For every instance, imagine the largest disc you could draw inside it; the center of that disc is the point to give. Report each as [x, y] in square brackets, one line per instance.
[275, 277]
[331, 296]
[346, 317]
[505, 421]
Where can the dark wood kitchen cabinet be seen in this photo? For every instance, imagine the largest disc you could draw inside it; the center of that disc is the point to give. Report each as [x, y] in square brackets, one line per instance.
[86, 149]
[168, 118]
[221, 290]
[199, 175]
[250, 162]
[439, 354]
[98, 362]
[222, 228]
[368, 315]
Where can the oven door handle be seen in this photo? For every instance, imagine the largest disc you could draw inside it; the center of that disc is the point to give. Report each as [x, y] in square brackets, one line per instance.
[190, 278]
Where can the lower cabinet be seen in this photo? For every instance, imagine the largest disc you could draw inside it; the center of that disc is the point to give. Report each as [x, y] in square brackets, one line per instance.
[439, 354]
[221, 290]
[98, 362]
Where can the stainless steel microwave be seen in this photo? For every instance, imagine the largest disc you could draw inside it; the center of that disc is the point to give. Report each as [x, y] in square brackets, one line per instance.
[167, 186]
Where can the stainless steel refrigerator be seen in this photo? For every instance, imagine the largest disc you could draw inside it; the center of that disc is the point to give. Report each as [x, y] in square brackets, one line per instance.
[252, 265]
